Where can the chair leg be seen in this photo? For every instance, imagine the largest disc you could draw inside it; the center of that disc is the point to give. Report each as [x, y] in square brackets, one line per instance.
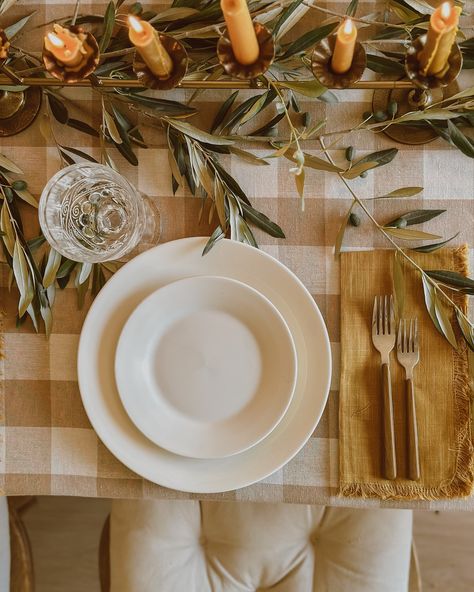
[21, 571]
[414, 584]
[104, 557]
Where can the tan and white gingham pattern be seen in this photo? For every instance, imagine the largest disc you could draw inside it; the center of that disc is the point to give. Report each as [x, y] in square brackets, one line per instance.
[47, 445]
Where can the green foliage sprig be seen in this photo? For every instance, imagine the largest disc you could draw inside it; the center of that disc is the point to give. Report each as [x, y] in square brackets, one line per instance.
[195, 155]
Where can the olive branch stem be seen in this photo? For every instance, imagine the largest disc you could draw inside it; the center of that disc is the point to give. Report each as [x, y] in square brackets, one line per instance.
[357, 200]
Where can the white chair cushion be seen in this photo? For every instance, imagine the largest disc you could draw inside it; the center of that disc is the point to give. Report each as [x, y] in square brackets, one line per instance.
[186, 546]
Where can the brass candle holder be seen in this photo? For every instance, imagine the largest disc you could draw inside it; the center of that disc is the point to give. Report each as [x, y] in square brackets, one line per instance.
[234, 68]
[321, 64]
[70, 75]
[428, 89]
[180, 59]
[412, 66]
[18, 108]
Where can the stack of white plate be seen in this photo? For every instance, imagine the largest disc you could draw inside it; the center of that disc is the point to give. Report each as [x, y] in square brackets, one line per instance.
[204, 373]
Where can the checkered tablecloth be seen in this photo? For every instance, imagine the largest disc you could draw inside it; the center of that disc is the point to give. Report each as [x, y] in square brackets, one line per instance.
[47, 445]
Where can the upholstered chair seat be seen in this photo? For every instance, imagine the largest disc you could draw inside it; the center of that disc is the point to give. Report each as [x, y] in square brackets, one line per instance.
[187, 546]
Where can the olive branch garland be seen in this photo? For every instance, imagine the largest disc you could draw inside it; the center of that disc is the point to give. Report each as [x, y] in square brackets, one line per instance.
[194, 153]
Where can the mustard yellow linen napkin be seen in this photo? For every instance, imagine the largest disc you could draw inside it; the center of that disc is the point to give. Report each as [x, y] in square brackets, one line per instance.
[441, 385]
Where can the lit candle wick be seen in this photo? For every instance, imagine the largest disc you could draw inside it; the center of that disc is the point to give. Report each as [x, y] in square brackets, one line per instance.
[148, 44]
[347, 26]
[445, 10]
[55, 40]
[344, 47]
[135, 24]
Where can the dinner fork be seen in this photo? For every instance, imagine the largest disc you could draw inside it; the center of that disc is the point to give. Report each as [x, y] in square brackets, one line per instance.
[383, 338]
[408, 355]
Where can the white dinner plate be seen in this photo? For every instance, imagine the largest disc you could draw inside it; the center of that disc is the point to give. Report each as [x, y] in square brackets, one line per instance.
[130, 286]
[205, 367]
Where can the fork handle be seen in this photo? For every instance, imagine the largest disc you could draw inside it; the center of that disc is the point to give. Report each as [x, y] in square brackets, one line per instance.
[414, 472]
[390, 459]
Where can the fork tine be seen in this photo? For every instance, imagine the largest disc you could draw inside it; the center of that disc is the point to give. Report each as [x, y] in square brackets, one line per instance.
[415, 340]
[392, 315]
[385, 315]
[380, 311]
[405, 336]
[411, 347]
[374, 315]
[399, 337]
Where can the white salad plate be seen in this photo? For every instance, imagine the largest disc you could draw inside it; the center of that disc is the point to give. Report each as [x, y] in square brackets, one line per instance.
[154, 269]
[205, 367]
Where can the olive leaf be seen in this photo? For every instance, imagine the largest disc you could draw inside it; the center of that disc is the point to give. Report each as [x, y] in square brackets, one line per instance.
[313, 162]
[109, 22]
[402, 192]
[200, 135]
[467, 329]
[22, 278]
[82, 127]
[77, 152]
[224, 109]
[58, 109]
[409, 234]
[431, 114]
[428, 291]
[52, 265]
[444, 321]
[308, 88]
[414, 217]
[341, 232]
[381, 157]
[15, 28]
[433, 246]
[284, 16]
[383, 65]
[219, 200]
[213, 239]
[420, 6]
[174, 14]
[65, 269]
[352, 7]
[465, 144]
[46, 315]
[451, 278]
[262, 221]
[6, 227]
[270, 126]
[248, 156]
[7, 164]
[399, 287]
[359, 168]
[308, 40]
[112, 127]
[299, 181]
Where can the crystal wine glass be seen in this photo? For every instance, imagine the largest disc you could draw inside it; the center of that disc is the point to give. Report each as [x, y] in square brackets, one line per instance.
[90, 213]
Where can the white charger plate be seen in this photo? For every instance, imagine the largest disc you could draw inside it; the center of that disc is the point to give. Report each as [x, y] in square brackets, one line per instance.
[206, 367]
[137, 280]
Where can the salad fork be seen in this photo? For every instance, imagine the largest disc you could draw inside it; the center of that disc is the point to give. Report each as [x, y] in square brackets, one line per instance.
[383, 338]
[408, 355]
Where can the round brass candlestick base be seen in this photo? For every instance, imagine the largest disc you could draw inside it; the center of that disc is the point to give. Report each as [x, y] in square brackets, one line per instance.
[179, 56]
[18, 110]
[89, 64]
[412, 66]
[410, 100]
[321, 64]
[232, 67]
